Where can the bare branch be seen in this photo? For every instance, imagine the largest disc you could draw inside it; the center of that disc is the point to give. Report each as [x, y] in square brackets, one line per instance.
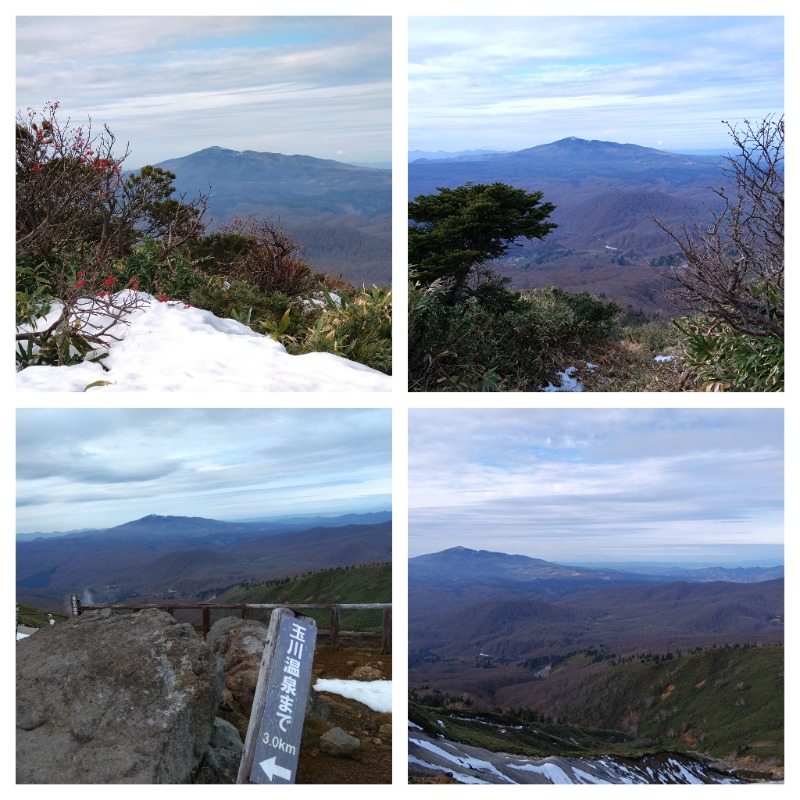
[733, 268]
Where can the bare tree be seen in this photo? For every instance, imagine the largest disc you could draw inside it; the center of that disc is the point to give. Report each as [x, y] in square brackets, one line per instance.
[734, 265]
[271, 257]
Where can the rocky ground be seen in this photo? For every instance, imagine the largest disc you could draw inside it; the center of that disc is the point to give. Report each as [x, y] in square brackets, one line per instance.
[373, 761]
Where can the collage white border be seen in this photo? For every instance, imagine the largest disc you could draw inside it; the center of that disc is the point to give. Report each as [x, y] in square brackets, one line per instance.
[400, 400]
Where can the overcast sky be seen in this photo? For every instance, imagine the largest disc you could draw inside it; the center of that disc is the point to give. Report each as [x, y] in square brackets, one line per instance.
[507, 83]
[79, 468]
[318, 86]
[588, 485]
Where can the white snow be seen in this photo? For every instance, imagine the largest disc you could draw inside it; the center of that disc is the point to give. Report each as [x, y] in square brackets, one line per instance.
[568, 383]
[375, 694]
[23, 636]
[171, 347]
[684, 774]
[552, 772]
[463, 761]
[664, 358]
[436, 768]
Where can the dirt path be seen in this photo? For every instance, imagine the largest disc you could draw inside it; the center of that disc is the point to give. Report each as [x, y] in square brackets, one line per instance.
[373, 761]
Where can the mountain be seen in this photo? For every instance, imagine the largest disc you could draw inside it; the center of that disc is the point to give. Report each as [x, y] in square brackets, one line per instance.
[414, 155]
[690, 665]
[466, 605]
[591, 722]
[606, 195]
[156, 557]
[339, 212]
[171, 527]
[29, 537]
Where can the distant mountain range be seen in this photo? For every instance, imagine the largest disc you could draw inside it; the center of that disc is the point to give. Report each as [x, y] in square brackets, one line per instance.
[157, 525]
[597, 663]
[606, 195]
[465, 602]
[339, 212]
[414, 155]
[160, 557]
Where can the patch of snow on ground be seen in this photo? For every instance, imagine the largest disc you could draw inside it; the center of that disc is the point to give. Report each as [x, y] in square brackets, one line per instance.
[170, 347]
[568, 383]
[465, 762]
[375, 694]
[436, 768]
[659, 359]
[685, 775]
[552, 772]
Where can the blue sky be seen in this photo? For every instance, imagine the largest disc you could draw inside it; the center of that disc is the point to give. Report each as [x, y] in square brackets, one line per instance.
[318, 86]
[592, 485]
[79, 468]
[507, 83]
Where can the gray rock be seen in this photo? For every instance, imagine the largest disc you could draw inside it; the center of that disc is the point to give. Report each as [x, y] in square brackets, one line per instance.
[240, 644]
[220, 763]
[115, 699]
[337, 742]
[366, 673]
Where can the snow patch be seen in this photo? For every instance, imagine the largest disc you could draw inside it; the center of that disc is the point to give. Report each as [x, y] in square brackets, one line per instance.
[170, 347]
[375, 694]
[568, 383]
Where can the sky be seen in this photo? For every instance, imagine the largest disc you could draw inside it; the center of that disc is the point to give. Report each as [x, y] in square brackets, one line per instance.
[508, 83]
[691, 486]
[172, 347]
[170, 86]
[94, 467]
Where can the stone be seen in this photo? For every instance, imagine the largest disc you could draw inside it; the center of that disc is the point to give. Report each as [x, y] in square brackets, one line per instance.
[114, 698]
[337, 742]
[220, 763]
[240, 644]
[366, 673]
[385, 730]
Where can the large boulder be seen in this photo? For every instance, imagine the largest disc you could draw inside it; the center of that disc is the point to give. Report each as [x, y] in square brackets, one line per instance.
[240, 645]
[115, 699]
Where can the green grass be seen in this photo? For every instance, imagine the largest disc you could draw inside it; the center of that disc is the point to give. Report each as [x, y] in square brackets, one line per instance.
[36, 618]
[367, 584]
[722, 702]
[511, 733]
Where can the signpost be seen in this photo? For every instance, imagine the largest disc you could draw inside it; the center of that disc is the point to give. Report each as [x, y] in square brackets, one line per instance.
[272, 745]
[75, 606]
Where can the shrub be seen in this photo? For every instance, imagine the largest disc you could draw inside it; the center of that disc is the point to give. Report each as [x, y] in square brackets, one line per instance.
[359, 329]
[259, 252]
[474, 348]
[725, 359]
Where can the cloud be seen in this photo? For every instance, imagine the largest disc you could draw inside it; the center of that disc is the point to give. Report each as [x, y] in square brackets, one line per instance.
[553, 480]
[174, 85]
[80, 467]
[513, 82]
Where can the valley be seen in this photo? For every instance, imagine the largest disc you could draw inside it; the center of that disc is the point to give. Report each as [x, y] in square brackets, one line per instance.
[633, 663]
[158, 558]
[340, 214]
[606, 195]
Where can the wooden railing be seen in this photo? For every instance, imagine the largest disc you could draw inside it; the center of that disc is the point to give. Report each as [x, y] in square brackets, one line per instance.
[334, 632]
